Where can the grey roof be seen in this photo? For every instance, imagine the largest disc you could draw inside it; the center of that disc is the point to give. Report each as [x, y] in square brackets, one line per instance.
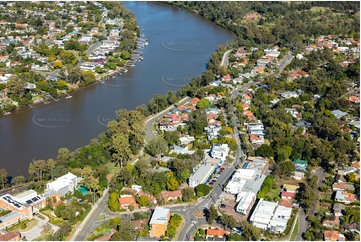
[160, 216]
[338, 207]
[202, 172]
[338, 113]
[9, 216]
[303, 123]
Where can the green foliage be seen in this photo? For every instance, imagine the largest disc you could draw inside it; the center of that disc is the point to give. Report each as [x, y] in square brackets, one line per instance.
[157, 147]
[212, 214]
[113, 202]
[202, 190]
[188, 194]
[174, 222]
[265, 151]
[266, 187]
[125, 231]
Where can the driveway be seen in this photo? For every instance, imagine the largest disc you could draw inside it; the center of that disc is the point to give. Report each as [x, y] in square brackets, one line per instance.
[35, 232]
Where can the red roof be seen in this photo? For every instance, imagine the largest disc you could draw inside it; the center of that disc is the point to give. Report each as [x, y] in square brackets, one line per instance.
[175, 117]
[195, 101]
[330, 235]
[288, 194]
[254, 137]
[10, 236]
[171, 194]
[356, 165]
[127, 200]
[216, 232]
[353, 99]
[285, 203]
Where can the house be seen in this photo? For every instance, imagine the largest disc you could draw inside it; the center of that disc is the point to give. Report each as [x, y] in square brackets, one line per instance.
[285, 203]
[346, 170]
[159, 222]
[212, 131]
[181, 150]
[220, 233]
[343, 187]
[256, 139]
[330, 235]
[171, 195]
[300, 165]
[11, 236]
[201, 174]
[184, 140]
[332, 223]
[297, 175]
[219, 151]
[63, 184]
[353, 227]
[288, 95]
[345, 197]
[338, 113]
[195, 101]
[354, 99]
[238, 181]
[127, 200]
[338, 209]
[226, 78]
[288, 195]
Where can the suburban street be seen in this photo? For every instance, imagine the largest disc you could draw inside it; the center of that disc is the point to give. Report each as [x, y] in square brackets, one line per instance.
[86, 227]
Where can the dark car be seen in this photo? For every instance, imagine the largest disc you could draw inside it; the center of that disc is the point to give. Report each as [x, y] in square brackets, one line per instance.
[222, 168]
[223, 206]
[211, 183]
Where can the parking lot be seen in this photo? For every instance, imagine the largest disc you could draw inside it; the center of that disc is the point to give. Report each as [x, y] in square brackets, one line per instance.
[230, 204]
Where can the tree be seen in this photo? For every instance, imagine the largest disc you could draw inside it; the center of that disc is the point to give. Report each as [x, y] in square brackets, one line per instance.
[157, 147]
[63, 156]
[64, 230]
[3, 176]
[125, 55]
[203, 103]
[143, 201]
[125, 232]
[228, 221]
[250, 232]
[50, 163]
[19, 180]
[212, 214]
[113, 202]
[265, 150]
[284, 153]
[202, 190]
[90, 180]
[40, 166]
[188, 194]
[172, 184]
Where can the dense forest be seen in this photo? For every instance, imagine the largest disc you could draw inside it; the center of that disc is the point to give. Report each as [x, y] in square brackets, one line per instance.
[285, 23]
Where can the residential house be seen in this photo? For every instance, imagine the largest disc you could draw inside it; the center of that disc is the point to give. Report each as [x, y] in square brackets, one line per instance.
[186, 139]
[343, 187]
[168, 196]
[300, 165]
[332, 223]
[159, 222]
[63, 184]
[290, 188]
[345, 197]
[226, 78]
[181, 150]
[288, 95]
[288, 195]
[219, 151]
[338, 113]
[127, 200]
[346, 170]
[220, 233]
[11, 236]
[339, 209]
[294, 113]
[256, 139]
[297, 175]
[330, 235]
[106, 237]
[212, 131]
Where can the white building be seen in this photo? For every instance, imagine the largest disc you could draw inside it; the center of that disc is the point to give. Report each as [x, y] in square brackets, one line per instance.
[270, 216]
[220, 151]
[63, 184]
[239, 179]
[246, 201]
[202, 174]
[212, 131]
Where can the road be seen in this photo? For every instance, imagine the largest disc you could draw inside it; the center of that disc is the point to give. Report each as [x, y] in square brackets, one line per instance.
[287, 60]
[86, 227]
[150, 121]
[225, 58]
[302, 224]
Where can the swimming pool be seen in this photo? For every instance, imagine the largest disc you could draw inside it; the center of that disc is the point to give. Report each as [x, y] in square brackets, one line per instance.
[83, 190]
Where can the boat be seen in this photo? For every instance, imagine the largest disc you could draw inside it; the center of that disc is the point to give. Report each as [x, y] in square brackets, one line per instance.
[6, 113]
[67, 97]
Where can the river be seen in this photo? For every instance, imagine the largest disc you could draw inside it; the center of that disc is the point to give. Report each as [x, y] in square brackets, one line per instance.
[180, 45]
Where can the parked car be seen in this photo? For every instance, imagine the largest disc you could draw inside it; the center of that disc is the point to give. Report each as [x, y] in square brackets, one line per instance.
[211, 183]
[223, 206]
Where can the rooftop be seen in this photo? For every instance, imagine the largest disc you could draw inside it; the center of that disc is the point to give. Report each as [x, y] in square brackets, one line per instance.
[160, 216]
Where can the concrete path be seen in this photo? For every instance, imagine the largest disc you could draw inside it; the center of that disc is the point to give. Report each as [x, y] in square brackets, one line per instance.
[35, 232]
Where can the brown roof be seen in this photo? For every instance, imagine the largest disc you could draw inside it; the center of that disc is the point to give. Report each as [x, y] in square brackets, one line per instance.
[285, 203]
[138, 224]
[171, 194]
[330, 235]
[216, 232]
[127, 200]
[10, 236]
[106, 237]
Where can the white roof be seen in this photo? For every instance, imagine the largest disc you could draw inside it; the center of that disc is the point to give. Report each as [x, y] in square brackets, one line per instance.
[160, 216]
[22, 197]
[247, 199]
[263, 212]
[202, 173]
[282, 211]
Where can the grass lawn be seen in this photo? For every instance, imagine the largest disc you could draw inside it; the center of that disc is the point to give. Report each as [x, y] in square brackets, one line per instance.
[318, 9]
[29, 225]
[273, 195]
[179, 229]
[295, 232]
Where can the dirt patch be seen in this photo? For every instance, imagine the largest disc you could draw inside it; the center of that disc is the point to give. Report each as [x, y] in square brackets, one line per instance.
[252, 16]
[230, 209]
